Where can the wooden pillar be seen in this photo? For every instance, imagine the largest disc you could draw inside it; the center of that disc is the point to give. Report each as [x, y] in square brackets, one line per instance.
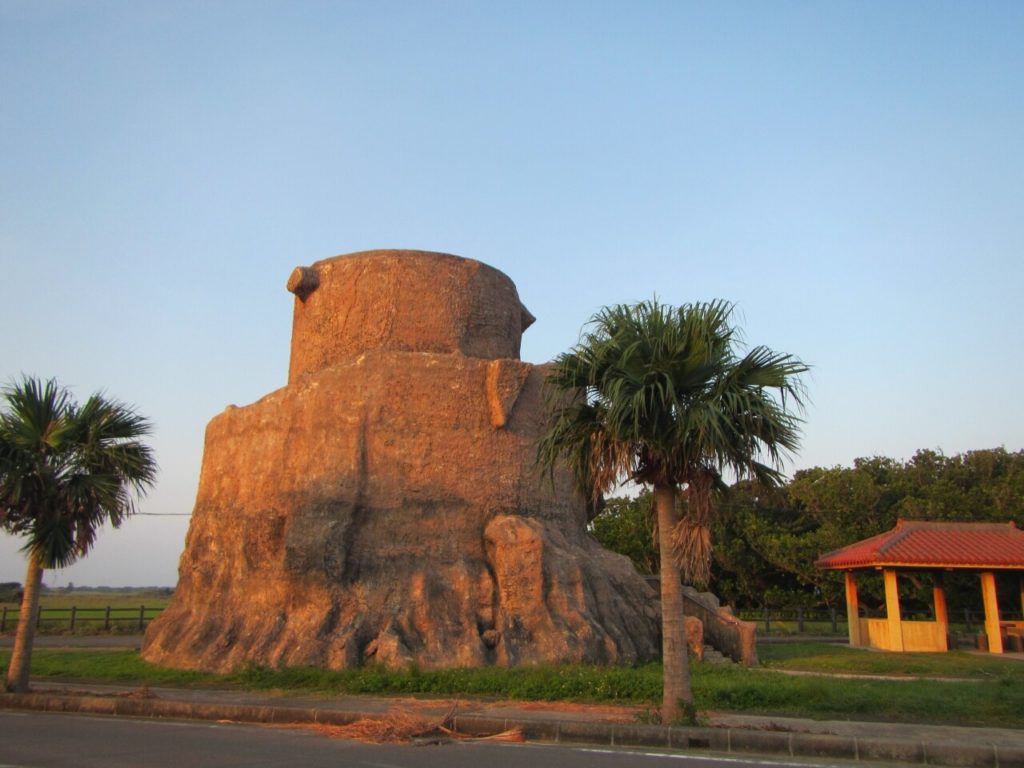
[1022, 595]
[988, 594]
[892, 609]
[853, 610]
[941, 611]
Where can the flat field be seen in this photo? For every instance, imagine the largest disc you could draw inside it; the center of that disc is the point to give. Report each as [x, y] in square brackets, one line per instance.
[90, 608]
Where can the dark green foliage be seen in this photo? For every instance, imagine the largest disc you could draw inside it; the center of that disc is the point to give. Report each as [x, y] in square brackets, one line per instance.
[745, 572]
[10, 592]
[766, 540]
[626, 526]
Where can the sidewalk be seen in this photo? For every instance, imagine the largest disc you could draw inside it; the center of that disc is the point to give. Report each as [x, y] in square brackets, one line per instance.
[551, 722]
[613, 726]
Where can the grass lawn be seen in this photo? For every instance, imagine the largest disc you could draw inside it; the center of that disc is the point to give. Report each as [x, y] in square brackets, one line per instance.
[838, 658]
[992, 693]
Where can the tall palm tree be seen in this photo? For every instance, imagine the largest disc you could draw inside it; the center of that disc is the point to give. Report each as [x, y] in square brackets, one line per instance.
[661, 396]
[65, 469]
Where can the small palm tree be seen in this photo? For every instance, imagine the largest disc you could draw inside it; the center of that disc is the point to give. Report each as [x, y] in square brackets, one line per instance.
[65, 469]
[660, 396]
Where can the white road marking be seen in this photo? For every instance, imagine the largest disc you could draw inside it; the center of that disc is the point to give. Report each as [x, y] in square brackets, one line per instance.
[706, 758]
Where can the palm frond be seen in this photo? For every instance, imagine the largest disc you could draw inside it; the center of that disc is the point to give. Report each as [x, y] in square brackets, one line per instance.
[662, 395]
[65, 469]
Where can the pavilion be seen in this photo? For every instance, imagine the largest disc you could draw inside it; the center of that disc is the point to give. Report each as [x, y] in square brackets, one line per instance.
[918, 546]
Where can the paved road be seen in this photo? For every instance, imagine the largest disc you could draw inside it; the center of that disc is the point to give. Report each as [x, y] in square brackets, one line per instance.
[31, 740]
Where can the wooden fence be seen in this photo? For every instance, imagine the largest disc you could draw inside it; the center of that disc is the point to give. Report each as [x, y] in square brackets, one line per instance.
[106, 618]
[769, 620]
[833, 621]
[796, 621]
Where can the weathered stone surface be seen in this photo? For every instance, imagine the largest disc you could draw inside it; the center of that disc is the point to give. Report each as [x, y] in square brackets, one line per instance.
[409, 301]
[384, 506]
[695, 636]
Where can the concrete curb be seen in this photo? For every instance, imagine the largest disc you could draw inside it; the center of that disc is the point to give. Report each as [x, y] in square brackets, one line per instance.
[722, 740]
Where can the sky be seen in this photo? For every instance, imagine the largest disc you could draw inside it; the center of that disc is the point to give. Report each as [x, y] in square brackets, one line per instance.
[850, 174]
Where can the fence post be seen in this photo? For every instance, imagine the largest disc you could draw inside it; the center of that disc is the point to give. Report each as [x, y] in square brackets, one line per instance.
[142, 617]
[800, 619]
[767, 621]
[835, 625]
[74, 610]
[3, 620]
[106, 619]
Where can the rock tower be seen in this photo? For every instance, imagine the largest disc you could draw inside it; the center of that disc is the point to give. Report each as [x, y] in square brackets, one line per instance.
[384, 506]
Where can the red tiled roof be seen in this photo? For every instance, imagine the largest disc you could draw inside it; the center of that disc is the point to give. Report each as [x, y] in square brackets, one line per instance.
[919, 544]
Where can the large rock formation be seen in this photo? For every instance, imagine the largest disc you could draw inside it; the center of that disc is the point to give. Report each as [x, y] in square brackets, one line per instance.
[384, 505]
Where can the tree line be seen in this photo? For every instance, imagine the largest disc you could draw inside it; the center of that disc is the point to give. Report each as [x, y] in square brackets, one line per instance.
[767, 539]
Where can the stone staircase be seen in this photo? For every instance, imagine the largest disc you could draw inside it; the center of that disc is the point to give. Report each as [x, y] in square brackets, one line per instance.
[714, 656]
[725, 637]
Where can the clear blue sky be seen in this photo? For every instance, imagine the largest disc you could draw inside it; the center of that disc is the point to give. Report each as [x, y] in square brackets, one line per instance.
[851, 174]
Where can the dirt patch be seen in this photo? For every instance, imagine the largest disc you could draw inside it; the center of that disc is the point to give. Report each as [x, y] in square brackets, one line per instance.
[400, 726]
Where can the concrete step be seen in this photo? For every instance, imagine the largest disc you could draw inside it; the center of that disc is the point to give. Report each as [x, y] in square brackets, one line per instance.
[714, 656]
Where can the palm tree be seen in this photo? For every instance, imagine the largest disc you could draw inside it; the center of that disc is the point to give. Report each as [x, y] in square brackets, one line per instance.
[661, 396]
[64, 470]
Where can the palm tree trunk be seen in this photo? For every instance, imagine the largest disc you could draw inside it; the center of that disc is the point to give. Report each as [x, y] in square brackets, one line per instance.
[21, 655]
[673, 624]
